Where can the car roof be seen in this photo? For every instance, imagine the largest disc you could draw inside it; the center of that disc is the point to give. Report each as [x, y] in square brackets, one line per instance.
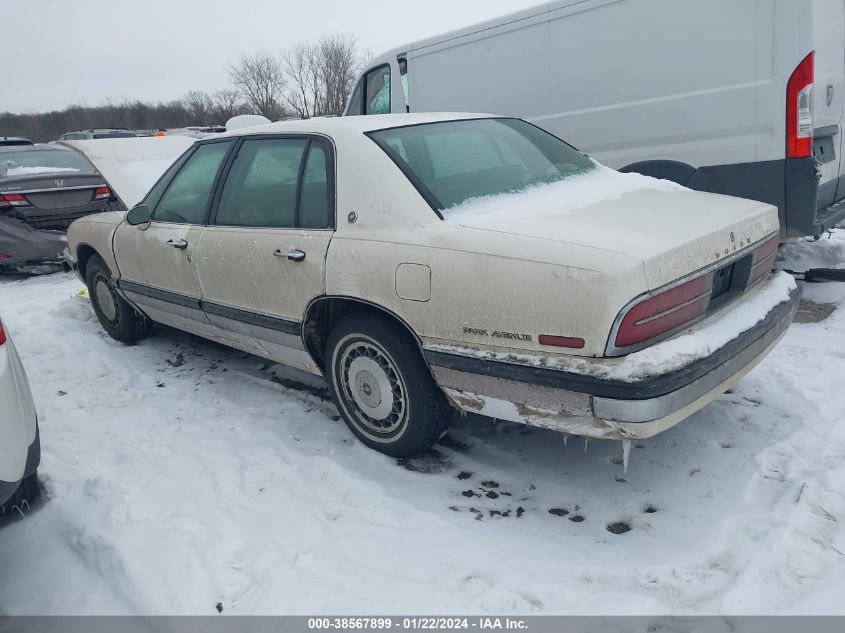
[32, 148]
[14, 141]
[371, 123]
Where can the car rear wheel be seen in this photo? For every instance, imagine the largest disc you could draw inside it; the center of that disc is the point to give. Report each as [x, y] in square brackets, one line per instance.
[383, 389]
[24, 497]
[122, 322]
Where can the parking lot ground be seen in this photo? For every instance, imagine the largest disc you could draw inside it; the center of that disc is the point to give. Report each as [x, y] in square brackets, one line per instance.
[179, 475]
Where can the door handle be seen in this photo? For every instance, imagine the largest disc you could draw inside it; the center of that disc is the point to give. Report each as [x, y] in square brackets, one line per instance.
[293, 255]
[183, 244]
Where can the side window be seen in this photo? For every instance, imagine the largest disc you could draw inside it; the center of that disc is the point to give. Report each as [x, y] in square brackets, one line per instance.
[378, 91]
[356, 100]
[314, 209]
[261, 187]
[155, 194]
[186, 199]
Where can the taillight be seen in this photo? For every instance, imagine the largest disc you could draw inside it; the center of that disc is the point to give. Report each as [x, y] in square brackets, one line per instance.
[102, 193]
[13, 200]
[764, 259]
[799, 110]
[2, 334]
[663, 312]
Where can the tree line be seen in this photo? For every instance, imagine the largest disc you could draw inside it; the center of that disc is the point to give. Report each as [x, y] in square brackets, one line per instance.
[311, 78]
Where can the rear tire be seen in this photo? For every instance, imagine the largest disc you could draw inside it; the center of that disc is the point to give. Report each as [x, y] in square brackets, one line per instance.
[383, 389]
[26, 494]
[119, 319]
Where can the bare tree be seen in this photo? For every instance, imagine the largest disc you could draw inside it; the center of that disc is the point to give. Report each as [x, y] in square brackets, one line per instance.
[321, 74]
[339, 63]
[261, 80]
[225, 104]
[198, 104]
[302, 94]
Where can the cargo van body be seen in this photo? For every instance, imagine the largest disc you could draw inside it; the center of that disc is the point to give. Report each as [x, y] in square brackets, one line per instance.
[740, 97]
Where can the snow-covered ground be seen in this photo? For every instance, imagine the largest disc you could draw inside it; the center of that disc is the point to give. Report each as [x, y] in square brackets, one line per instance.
[180, 474]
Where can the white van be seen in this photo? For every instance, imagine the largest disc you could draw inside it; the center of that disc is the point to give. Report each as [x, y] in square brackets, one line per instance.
[741, 97]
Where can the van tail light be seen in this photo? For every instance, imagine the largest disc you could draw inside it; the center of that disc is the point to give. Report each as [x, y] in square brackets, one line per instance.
[661, 313]
[764, 259]
[2, 334]
[12, 200]
[799, 110]
[102, 193]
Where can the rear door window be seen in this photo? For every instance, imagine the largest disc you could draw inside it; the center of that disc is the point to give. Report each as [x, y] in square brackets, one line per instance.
[261, 188]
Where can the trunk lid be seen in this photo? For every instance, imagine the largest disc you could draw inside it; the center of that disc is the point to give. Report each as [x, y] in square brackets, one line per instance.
[131, 166]
[674, 231]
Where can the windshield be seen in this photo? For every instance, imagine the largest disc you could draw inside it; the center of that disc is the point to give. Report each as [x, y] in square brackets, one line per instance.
[455, 161]
[31, 162]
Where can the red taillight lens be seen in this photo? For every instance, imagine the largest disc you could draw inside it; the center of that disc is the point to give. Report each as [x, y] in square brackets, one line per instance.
[799, 110]
[561, 341]
[102, 193]
[764, 259]
[664, 312]
[13, 200]
[2, 334]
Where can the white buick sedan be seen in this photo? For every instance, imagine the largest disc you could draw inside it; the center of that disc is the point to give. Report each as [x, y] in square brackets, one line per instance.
[20, 447]
[422, 262]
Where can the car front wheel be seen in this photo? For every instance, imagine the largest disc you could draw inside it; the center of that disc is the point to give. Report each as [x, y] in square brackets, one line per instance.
[382, 387]
[122, 322]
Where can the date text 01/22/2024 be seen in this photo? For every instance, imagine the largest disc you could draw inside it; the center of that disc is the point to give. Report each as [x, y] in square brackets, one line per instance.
[419, 623]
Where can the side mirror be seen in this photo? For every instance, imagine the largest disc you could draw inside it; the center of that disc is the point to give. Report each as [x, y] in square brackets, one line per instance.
[138, 215]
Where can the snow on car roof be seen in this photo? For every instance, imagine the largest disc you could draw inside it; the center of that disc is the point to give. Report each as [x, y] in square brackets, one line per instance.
[329, 125]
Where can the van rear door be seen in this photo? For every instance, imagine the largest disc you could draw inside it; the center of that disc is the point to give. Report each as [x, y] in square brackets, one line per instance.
[829, 98]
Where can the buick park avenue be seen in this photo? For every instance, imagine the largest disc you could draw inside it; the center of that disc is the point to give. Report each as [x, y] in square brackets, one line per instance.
[432, 261]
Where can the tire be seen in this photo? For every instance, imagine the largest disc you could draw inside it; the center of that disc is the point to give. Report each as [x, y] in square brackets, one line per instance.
[120, 320]
[24, 496]
[367, 355]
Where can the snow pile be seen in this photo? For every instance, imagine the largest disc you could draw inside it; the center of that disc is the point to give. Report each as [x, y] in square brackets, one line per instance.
[28, 171]
[800, 255]
[557, 198]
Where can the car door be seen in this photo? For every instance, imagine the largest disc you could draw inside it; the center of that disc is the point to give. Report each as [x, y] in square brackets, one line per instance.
[262, 258]
[157, 260]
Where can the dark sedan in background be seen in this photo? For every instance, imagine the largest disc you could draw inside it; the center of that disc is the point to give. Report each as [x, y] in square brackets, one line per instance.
[43, 188]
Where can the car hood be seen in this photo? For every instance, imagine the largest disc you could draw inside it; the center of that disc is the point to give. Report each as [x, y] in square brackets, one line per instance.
[673, 230]
[131, 166]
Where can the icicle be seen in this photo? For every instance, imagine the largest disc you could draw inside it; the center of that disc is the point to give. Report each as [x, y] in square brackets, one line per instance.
[565, 437]
[626, 452]
[586, 442]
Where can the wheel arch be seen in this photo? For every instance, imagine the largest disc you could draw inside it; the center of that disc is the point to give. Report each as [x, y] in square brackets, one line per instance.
[673, 170]
[325, 311]
[84, 252]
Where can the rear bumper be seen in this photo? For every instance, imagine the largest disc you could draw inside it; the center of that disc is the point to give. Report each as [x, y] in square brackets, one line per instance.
[583, 404]
[33, 459]
[22, 244]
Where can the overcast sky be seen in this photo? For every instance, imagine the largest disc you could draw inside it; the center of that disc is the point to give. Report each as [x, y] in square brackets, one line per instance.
[58, 52]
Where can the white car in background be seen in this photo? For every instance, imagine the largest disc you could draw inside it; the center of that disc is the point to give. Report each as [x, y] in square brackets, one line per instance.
[20, 446]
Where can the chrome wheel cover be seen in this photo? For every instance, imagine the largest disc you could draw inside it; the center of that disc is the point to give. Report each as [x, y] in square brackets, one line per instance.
[372, 388]
[104, 296]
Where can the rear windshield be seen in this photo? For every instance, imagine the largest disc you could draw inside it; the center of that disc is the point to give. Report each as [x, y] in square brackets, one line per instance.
[115, 135]
[43, 162]
[456, 161]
